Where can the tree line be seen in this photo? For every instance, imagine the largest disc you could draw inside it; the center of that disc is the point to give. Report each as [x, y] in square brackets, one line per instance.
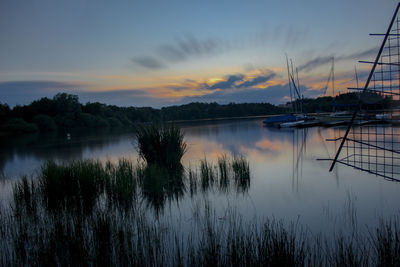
[64, 112]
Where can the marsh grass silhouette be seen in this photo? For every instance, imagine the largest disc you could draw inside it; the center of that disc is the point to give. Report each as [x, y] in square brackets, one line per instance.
[241, 171]
[207, 174]
[76, 185]
[117, 230]
[162, 145]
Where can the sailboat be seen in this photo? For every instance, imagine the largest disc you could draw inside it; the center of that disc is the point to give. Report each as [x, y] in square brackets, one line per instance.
[336, 118]
[289, 120]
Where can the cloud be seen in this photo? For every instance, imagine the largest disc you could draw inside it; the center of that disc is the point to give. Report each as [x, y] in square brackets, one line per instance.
[363, 54]
[229, 83]
[273, 94]
[182, 49]
[188, 46]
[148, 62]
[29, 86]
[238, 81]
[187, 84]
[322, 60]
[314, 63]
[257, 80]
[122, 98]
[24, 92]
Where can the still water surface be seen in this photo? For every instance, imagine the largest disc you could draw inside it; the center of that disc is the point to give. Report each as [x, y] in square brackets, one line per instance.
[287, 182]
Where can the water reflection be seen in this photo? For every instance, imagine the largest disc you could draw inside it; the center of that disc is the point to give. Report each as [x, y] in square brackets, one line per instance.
[286, 180]
[159, 185]
[22, 155]
[299, 149]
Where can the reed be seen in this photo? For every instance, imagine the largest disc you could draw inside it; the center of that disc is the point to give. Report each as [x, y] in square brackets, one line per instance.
[207, 175]
[121, 186]
[192, 180]
[73, 185]
[163, 145]
[223, 166]
[32, 234]
[387, 243]
[241, 169]
[25, 197]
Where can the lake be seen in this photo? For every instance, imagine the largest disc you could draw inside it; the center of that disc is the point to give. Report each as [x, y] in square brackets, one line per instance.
[287, 181]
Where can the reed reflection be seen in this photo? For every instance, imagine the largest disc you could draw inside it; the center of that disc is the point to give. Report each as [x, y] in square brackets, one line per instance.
[231, 174]
[159, 185]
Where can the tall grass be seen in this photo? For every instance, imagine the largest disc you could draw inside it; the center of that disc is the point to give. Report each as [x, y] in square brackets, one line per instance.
[192, 181]
[163, 145]
[162, 148]
[76, 185]
[207, 175]
[387, 243]
[223, 167]
[118, 230]
[235, 169]
[121, 185]
[241, 170]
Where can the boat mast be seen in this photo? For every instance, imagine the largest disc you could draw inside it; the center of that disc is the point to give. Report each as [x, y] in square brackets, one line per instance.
[294, 85]
[300, 95]
[290, 84]
[333, 76]
[333, 80]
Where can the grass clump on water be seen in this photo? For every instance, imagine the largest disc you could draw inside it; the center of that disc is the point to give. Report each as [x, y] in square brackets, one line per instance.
[241, 169]
[223, 166]
[162, 148]
[162, 145]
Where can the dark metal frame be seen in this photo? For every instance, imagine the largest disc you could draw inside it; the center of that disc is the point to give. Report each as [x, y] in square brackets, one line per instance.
[376, 149]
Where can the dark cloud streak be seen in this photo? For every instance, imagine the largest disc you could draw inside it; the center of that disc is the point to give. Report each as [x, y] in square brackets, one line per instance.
[236, 81]
[187, 47]
[273, 94]
[314, 63]
[320, 61]
[257, 80]
[361, 55]
[183, 49]
[229, 83]
[148, 62]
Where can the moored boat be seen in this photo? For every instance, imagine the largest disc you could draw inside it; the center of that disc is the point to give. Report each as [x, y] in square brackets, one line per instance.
[277, 120]
[291, 124]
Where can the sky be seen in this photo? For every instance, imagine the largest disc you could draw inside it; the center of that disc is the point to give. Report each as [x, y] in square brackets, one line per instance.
[161, 53]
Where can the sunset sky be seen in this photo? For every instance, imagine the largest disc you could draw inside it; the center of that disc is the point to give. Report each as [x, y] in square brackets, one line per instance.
[162, 53]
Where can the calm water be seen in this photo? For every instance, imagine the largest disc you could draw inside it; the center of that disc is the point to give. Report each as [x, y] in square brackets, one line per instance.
[287, 181]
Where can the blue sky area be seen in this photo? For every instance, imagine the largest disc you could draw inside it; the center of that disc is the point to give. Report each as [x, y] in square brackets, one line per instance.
[161, 53]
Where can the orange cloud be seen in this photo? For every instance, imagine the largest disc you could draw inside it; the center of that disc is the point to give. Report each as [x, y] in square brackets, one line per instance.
[174, 86]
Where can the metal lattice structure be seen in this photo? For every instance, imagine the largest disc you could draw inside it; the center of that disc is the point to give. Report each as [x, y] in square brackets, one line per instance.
[375, 148]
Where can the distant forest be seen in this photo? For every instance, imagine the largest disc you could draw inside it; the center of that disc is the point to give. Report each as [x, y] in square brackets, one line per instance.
[64, 112]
